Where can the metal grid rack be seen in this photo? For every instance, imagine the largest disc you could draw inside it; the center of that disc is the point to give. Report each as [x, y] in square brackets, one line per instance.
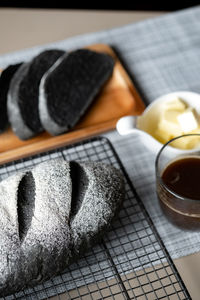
[130, 262]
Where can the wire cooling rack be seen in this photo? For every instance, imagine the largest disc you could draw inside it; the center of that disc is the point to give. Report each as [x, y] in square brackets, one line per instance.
[130, 262]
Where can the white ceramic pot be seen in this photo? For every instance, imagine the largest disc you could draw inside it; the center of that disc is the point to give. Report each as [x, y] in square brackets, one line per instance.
[146, 123]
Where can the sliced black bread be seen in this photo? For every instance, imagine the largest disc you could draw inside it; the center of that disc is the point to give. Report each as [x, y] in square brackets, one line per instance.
[69, 87]
[51, 214]
[5, 79]
[23, 94]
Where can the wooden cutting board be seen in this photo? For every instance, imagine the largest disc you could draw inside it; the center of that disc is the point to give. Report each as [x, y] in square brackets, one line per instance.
[119, 97]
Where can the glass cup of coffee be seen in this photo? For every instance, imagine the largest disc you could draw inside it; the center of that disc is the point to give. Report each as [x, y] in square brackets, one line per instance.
[178, 181]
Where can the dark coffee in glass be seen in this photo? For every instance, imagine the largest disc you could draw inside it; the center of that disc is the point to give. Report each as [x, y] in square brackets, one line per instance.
[178, 185]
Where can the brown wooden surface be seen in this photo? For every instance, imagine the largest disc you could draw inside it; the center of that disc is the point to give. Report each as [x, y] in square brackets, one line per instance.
[119, 97]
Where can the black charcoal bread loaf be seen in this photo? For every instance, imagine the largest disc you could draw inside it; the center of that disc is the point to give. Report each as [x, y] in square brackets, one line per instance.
[69, 87]
[48, 213]
[5, 78]
[23, 94]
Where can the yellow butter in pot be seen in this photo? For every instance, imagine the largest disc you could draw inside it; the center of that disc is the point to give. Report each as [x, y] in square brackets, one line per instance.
[177, 118]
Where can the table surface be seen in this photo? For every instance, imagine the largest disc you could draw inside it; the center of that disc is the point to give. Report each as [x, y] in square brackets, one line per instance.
[24, 28]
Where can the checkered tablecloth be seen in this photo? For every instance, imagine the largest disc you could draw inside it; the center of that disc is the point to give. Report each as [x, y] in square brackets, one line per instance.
[161, 55]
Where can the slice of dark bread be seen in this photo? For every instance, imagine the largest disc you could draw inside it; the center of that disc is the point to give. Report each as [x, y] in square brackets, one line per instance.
[69, 87]
[24, 94]
[5, 79]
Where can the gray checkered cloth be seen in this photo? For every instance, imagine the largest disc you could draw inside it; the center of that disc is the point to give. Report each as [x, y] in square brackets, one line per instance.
[161, 55]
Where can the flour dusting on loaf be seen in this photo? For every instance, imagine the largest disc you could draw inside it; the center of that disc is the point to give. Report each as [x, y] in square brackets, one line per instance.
[51, 213]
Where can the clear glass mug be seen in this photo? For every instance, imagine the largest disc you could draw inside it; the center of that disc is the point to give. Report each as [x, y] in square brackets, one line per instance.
[178, 181]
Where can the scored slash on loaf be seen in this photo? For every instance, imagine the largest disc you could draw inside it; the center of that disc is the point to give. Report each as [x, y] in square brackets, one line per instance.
[50, 215]
[54, 90]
